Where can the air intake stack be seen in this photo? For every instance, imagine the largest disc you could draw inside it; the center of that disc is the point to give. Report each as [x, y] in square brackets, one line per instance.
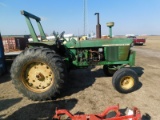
[98, 27]
[110, 25]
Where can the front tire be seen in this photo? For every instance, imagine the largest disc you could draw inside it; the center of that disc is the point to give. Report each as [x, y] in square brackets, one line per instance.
[125, 80]
[38, 73]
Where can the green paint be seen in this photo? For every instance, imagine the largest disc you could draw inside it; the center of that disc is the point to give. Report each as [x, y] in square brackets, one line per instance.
[110, 32]
[99, 42]
[43, 36]
[31, 29]
[30, 26]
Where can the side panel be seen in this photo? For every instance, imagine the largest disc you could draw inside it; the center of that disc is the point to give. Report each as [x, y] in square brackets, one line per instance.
[112, 53]
[132, 58]
[123, 52]
[117, 53]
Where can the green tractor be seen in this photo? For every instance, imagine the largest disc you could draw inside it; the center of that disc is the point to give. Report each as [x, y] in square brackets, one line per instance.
[40, 71]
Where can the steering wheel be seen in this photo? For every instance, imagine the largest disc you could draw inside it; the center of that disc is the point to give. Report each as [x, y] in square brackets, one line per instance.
[58, 38]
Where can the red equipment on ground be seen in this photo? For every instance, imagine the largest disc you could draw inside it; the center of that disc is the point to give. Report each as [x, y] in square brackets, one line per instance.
[103, 116]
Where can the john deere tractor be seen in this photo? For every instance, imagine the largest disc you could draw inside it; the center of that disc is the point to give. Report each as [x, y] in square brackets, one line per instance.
[40, 71]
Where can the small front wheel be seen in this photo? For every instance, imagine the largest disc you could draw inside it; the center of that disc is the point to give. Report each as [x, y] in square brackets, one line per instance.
[125, 80]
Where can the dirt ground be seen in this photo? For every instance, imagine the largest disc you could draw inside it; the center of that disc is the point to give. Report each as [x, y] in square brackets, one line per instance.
[90, 91]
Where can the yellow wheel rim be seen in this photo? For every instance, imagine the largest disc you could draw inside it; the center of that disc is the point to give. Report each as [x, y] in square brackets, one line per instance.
[127, 82]
[37, 77]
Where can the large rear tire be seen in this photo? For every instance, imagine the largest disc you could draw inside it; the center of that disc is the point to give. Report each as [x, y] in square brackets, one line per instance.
[38, 73]
[125, 80]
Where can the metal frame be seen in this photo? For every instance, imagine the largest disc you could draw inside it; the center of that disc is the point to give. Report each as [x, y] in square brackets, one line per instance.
[102, 116]
[30, 26]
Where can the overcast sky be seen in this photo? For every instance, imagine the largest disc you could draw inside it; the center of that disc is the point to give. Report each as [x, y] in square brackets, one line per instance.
[130, 16]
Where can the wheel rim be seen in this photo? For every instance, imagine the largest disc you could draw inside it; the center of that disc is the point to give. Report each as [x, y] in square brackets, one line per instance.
[127, 82]
[37, 77]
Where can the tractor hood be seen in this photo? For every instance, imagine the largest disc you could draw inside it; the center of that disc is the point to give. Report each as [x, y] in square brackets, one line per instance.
[98, 43]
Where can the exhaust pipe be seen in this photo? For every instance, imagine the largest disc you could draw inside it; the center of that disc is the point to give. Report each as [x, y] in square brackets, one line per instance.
[98, 27]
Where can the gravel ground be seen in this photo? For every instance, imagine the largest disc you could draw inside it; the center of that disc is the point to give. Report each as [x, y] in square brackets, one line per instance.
[89, 91]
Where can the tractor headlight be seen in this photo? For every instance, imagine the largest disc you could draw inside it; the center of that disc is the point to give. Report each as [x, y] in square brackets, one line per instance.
[100, 49]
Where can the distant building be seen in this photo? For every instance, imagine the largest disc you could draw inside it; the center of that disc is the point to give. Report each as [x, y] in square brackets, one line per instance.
[127, 35]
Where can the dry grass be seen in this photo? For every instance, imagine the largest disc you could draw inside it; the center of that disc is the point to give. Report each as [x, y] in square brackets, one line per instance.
[152, 42]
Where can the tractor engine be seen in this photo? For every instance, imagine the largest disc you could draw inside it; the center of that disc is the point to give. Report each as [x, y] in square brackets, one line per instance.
[90, 55]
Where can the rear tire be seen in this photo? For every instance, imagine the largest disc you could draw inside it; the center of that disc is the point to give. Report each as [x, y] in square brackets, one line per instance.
[38, 73]
[125, 80]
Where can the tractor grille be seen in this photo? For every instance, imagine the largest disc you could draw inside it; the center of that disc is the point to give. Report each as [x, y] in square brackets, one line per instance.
[117, 53]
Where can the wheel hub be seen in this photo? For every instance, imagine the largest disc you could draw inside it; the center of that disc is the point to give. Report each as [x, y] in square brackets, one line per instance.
[38, 77]
[127, 82]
